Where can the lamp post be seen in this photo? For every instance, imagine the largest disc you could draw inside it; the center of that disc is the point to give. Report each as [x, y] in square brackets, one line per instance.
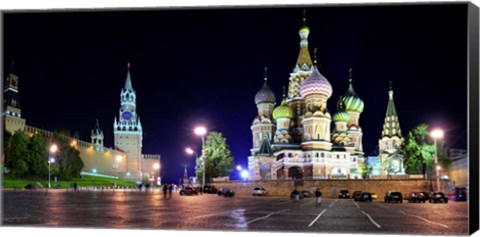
[201, 131]
[115, 166]
[190, 151]
[437, 134]
[53, 149]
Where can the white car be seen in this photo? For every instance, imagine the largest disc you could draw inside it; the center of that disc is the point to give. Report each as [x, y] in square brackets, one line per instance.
[259, 192]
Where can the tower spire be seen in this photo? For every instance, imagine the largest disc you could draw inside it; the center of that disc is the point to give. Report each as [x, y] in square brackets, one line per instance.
[391, 125]
[265, 75]
[304, 17]
[128, 82]
[350, 76]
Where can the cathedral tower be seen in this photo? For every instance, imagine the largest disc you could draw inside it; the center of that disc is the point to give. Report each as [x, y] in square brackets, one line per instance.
[128, 131]
[97, 137]
[391, 138]
[283, 114]
[303, 68]
[263, 123]
[316, 120]
[354, 107]
[11, 104]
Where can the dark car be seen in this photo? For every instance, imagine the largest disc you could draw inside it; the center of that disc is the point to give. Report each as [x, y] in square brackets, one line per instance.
[30, 187]
[438, 197]
[306, 194]
[365, 196]
[344, 194]
[188, 191]
[226, 192]
[357, 195]
[393, 196]
[417, 197]
[460, 194]
[210, 189]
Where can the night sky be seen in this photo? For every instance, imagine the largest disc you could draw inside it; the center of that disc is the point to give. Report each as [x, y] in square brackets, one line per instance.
[204, 66]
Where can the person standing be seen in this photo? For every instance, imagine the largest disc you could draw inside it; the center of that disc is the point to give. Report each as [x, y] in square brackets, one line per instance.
[170, 187]
[318, 196]
[165, 191]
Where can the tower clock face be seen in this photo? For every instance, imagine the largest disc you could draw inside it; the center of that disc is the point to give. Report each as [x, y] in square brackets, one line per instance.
[127, 115]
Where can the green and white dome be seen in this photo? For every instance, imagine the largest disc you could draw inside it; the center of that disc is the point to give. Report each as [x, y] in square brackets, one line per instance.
[351, 100]
[341, 115]
[283, 111]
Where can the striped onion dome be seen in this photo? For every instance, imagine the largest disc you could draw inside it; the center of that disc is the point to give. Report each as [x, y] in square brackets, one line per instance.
[341, 115]
[265, 94]
[283, 111]
[351, 99]
[316, 83]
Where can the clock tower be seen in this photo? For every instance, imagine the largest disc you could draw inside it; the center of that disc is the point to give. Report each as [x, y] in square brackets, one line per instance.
[128, 132]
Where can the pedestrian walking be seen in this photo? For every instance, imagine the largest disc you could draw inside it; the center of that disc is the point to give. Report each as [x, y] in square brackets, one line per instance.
[165, 188]
[170, 187]
[318, 196]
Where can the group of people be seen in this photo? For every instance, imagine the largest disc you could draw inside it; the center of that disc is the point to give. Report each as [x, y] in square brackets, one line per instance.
[318, 196]
[167, 189]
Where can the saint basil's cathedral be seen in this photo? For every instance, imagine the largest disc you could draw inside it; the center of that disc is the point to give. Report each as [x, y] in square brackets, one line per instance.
[295, 140]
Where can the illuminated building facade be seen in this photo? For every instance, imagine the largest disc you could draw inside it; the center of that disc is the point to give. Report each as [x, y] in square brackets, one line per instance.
[295, 140]
[125, 161]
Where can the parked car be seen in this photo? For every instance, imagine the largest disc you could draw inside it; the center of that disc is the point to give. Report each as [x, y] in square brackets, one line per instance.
[210, 189]
[344, 194]
[374, 195]
[357, 195]
[188, 191]
[365, 196]
[417, 197]
[30, 187]
[438, 197]
[226, 192]
[259, 192]
[306, 193]
[393, 196]
[460, 194]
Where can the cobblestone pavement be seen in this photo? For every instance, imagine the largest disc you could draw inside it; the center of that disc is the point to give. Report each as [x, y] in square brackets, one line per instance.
[150, 210]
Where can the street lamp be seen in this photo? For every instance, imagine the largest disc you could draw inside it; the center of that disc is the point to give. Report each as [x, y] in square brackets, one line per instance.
[437, 134]
[201, 131]
[53, 149]
[190, 151]
[115, 167]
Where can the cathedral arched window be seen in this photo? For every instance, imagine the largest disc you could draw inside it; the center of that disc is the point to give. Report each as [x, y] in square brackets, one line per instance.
[338, 156]
[323, 155]
[136, 129]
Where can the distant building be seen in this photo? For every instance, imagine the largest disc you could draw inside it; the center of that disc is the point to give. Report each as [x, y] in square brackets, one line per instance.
[458, 169]
[125, 161]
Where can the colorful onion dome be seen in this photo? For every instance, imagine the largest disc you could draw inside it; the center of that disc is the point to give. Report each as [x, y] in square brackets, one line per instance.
[283, 111]
[316, 83]
[351, 99]
[341, 115]
[265, 95]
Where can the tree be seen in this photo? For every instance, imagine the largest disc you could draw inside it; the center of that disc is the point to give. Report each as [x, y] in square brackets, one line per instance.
[69, 162]
[38, 160]
[419, 151]
[219, 159]
[388, 167]
[16, 154]
[365, 169]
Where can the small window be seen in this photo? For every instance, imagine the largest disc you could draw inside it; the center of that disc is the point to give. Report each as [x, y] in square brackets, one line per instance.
[338, 156]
